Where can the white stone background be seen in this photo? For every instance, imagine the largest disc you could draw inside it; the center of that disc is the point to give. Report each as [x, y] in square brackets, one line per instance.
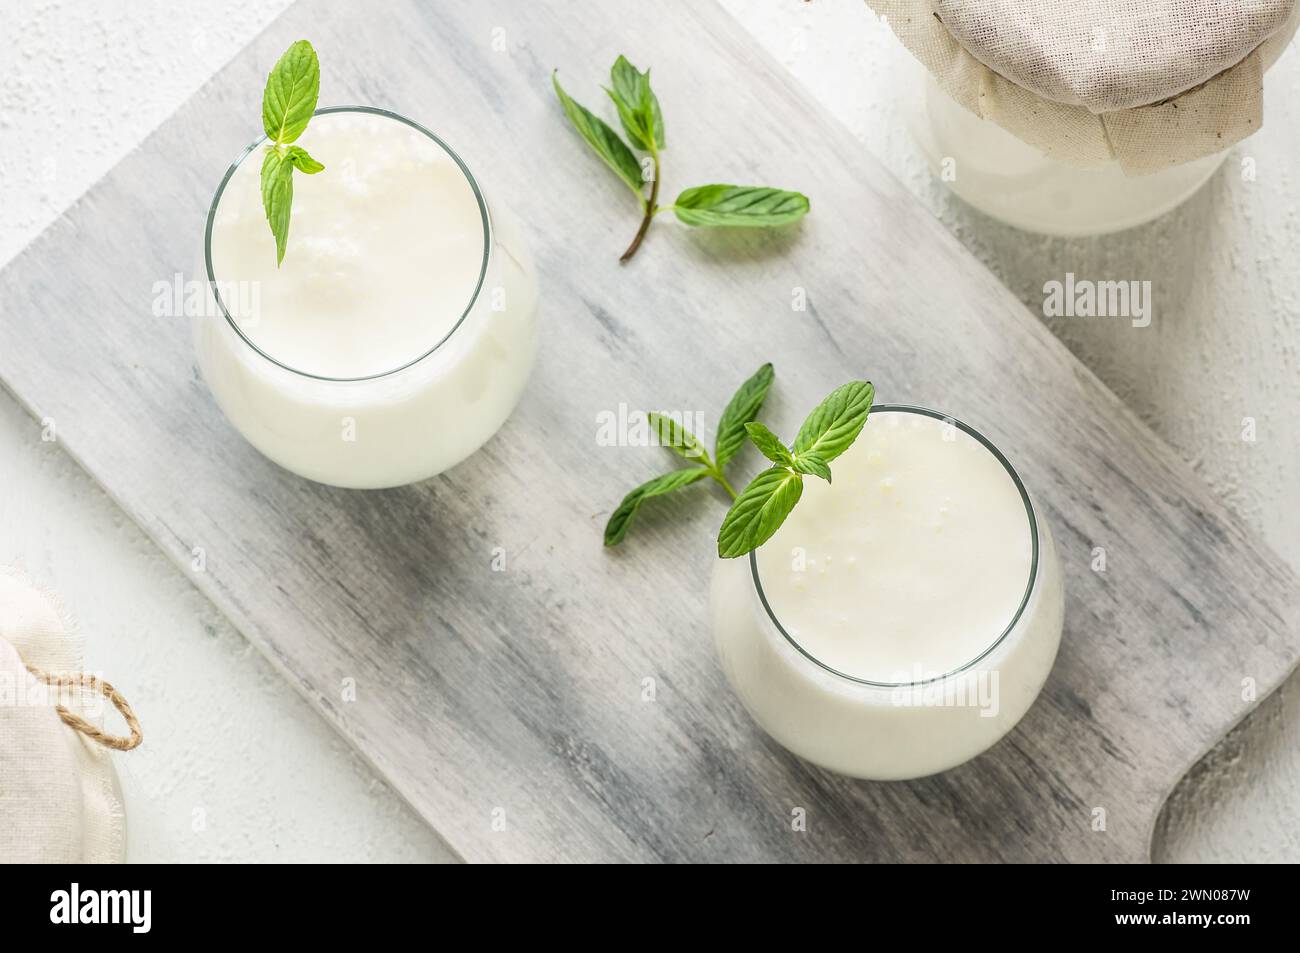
[81, 84]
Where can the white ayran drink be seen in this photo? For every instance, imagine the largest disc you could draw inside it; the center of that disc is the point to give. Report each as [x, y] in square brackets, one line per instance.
[905, 616]
[1014, 182]
[398, 332]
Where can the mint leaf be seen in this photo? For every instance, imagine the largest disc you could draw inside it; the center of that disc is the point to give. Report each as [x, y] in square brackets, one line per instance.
[637, 126]
[739, 205]
[740, 410]
[621, 518]
[302, 161]
[759, 511]
[291, 92]
[835, 422]
[637, 105]
[673, 435]
[277, 198]
[768, 444]
[812, 464]
[602, 139]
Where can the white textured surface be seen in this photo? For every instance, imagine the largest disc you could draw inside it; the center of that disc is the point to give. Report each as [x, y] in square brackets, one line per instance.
[235, 766]
[80, 85]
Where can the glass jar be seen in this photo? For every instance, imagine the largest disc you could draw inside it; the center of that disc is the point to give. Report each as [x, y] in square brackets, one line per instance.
[1008, 179]
[398, 424]
[889, 730]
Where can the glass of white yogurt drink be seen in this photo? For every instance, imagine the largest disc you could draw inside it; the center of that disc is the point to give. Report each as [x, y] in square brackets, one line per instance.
[397, 334]
[905, 616]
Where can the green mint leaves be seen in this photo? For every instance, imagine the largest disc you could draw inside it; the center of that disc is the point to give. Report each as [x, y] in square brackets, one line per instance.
[288, 103]
[758, 511]
[642, 120]
[741, 409]
[762, 507]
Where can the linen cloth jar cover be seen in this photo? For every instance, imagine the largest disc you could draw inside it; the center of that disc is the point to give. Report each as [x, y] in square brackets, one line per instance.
[59, 796]
[1149, 83]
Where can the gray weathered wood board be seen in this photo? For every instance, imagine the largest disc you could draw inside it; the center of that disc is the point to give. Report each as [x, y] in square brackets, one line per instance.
[521, 690]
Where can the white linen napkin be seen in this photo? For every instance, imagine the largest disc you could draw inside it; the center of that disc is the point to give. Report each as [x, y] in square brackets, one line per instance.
[59, 796]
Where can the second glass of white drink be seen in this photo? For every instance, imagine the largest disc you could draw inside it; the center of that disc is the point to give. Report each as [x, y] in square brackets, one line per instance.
[905, 616]
[397, 334]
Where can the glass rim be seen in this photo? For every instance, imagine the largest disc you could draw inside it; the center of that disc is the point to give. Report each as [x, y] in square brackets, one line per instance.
[1031, 586]
[473, 299]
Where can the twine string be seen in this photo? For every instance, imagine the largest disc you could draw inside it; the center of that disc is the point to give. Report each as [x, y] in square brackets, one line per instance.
[77, 723]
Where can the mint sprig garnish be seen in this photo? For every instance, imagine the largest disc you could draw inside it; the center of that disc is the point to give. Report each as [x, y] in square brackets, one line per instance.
[762, 507]
[642, 119]
[758, 510]
[741, 409]
[288, 103]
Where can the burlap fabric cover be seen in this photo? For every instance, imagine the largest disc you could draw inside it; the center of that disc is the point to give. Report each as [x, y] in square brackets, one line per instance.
[59, 800]
[1150, 83]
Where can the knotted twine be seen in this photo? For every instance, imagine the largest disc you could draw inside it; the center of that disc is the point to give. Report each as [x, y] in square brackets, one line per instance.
[77, 723]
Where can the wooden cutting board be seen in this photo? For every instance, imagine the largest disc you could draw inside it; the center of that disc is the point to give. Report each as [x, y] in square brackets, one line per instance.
[516, 696]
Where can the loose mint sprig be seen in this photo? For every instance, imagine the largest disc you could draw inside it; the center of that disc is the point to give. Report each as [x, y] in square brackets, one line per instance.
[642, 119]
[759, 510]
[288, 102]
[740, 410]
[763, 506]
